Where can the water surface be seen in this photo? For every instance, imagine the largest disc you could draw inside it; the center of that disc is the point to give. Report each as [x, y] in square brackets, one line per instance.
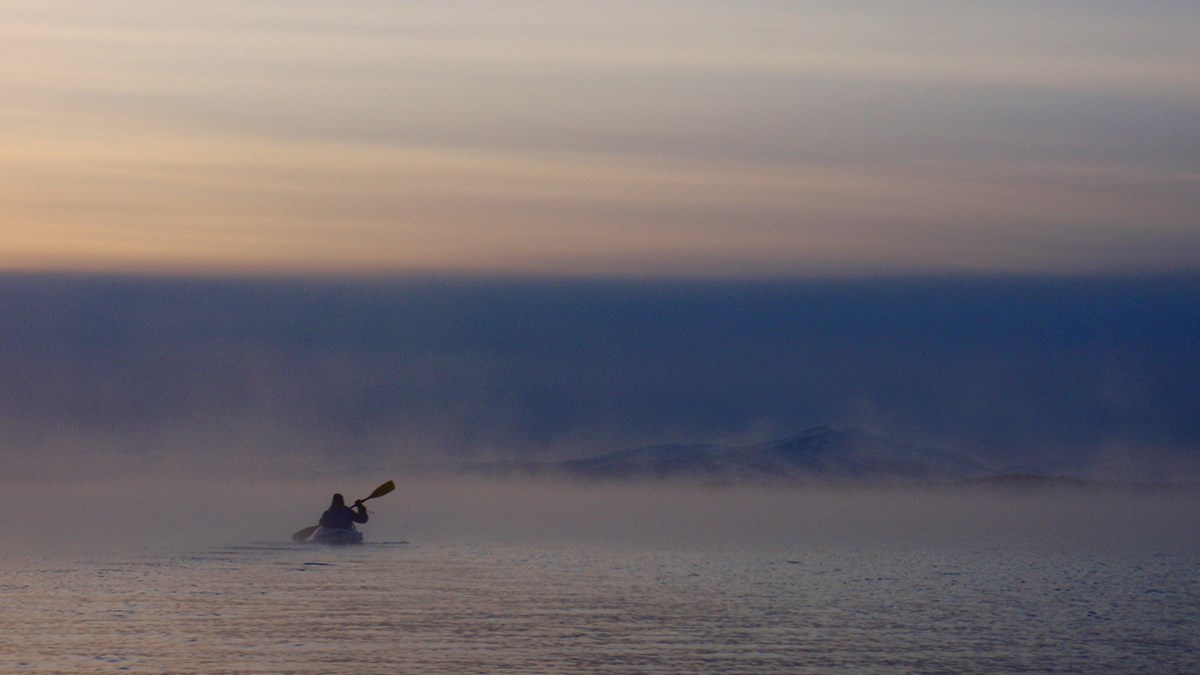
[596, 607]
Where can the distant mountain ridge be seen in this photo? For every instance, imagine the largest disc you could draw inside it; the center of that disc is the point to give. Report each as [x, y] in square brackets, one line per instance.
[818, 454]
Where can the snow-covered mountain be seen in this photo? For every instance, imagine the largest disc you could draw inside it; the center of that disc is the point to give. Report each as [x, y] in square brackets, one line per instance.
[819, 454]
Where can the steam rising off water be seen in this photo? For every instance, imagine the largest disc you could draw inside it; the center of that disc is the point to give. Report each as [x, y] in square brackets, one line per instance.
[509, 576]
[116, 513]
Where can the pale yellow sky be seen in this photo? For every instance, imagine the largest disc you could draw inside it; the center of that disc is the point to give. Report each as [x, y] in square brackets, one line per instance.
[735, 139]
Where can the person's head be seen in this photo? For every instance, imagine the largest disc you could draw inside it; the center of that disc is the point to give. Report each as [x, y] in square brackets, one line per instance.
[338, 501]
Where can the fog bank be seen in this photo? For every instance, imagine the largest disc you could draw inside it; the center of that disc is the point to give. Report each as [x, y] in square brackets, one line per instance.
[116, 515]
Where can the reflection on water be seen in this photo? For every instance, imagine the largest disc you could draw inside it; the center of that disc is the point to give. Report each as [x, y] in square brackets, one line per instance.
[396, 607]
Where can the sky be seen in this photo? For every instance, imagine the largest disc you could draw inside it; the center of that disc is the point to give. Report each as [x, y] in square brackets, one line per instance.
[657, 138]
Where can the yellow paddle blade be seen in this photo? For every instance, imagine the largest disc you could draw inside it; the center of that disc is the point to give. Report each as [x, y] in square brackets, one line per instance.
[382, 490]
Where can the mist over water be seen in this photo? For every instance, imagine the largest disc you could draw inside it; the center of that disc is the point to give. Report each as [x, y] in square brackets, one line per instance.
[648, 517]
[148, 510]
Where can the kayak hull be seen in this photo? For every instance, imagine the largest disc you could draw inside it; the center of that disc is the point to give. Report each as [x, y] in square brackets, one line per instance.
[336, 536]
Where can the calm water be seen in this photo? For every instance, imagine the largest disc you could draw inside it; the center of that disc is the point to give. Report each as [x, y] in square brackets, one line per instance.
[397, 607]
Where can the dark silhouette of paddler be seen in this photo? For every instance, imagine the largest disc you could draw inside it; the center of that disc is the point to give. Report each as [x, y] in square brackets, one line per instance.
[342, 517]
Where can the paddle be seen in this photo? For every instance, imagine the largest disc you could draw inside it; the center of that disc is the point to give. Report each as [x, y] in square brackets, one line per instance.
[379, 492]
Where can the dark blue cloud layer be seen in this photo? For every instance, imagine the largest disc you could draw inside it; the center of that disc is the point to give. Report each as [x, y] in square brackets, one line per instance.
[1011, 369]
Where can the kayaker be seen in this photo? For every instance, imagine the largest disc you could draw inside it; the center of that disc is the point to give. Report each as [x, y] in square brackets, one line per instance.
[342, 517]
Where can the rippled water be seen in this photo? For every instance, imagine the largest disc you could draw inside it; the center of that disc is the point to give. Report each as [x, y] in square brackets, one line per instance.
[397, 607]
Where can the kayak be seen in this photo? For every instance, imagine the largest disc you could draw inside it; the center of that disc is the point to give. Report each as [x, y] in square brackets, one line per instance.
[337, 535]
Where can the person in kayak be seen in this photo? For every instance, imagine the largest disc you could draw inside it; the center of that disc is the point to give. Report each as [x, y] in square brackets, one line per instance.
[342, 517]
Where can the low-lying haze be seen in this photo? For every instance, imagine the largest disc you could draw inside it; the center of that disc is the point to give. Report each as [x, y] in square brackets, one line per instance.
[143, 510]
